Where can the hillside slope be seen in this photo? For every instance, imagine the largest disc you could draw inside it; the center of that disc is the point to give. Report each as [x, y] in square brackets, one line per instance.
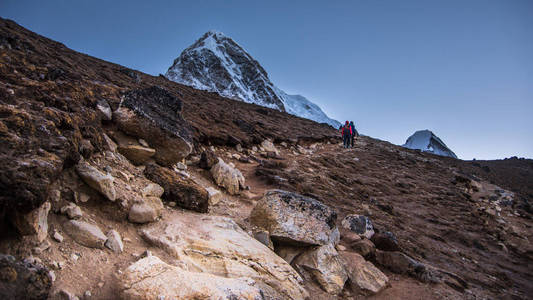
[465, 227]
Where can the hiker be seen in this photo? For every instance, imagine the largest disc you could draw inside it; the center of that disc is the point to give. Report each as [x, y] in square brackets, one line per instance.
[354, 132]
[346, 134]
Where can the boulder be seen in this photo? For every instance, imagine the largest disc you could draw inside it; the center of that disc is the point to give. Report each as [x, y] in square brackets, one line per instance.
[359, 224]
[138, 155]
[268, 146]
[217, 245]
[97, 180]
[85, 234]
[23, 280]
[385, 241]
[363, 275]
[227, 177]
[364, 247]
[154, 114]
[149, 210]
[207, 159]
[152, 279]
[34, 223]
[214, 195]
[183, 191]
[400, 263]
[72, 211]
[114, 241]
[152, 190]
[325, 265]
[295, 219]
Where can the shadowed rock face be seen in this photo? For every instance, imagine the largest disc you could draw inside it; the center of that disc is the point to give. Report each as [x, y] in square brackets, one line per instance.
[23, 278]
[154, 114]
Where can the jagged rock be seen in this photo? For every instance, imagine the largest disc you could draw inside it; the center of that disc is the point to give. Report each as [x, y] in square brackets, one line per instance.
[114, 241]
[85, 234]
[207, 160]
[325, 266]
[149, 210]
[227, 177]
[293, 218]
[364, 247]
[34, 223]
[136, 154]
[268, 146]
[359, 224]
[86, 148]
[58, 237]
[151, 278]
[72, 211]
[363, 275]
[99, 181]
[184, 191]
[217, 245]
[385, 241]
[109, 144]
[152, 190]
[214, 195]
[23, 280]
[264, 238]
[103, 107]
[154, 114]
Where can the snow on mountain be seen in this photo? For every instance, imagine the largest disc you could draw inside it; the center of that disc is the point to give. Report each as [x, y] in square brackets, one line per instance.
[216, 63]
[427, 141]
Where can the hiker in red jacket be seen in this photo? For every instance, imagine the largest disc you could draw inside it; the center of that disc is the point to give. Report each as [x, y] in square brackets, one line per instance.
[346, 134]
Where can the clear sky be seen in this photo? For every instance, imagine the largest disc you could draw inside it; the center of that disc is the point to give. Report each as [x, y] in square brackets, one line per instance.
[463, 69]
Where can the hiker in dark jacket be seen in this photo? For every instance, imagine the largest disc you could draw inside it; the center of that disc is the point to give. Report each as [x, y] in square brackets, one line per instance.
[346, 134]
[354, 132]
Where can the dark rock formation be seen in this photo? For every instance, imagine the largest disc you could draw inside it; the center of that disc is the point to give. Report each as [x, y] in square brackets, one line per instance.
[23, 280]
[183, 191]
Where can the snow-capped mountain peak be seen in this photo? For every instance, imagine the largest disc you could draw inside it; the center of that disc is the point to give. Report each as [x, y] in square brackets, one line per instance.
[217, 63]
[427, 141]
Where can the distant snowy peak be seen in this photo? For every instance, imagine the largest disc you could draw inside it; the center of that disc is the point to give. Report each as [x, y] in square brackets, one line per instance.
[216, 63]
[427, 141]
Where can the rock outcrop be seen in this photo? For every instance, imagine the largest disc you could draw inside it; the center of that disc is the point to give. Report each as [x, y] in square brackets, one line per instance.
[293, 218]
[23, 280]
[154, 114]
[359, 224]
[34, 223]
[152, 279]
[216, 245]
[183, 191]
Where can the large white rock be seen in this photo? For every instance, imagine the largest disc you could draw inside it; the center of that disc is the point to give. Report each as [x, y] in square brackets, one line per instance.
[34, 223]
[85, 234]
[99, 181]
[227, 177]
[217, 245]
[291, 218]
[152, 279]
[325, 266]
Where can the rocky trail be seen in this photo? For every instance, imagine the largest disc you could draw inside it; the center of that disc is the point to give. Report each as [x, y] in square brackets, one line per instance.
[121, 185]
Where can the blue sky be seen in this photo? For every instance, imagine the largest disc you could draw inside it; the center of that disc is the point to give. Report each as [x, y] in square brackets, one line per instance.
[463, 69]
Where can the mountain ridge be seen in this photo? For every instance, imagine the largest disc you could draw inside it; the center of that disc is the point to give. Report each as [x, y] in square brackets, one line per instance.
[216, 63]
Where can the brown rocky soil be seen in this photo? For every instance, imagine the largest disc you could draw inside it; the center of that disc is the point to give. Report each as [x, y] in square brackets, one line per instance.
[470, 220]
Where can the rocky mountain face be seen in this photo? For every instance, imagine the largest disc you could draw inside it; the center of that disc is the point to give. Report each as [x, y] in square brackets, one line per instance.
[427, 141]
[120, 185]
[216, 63]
